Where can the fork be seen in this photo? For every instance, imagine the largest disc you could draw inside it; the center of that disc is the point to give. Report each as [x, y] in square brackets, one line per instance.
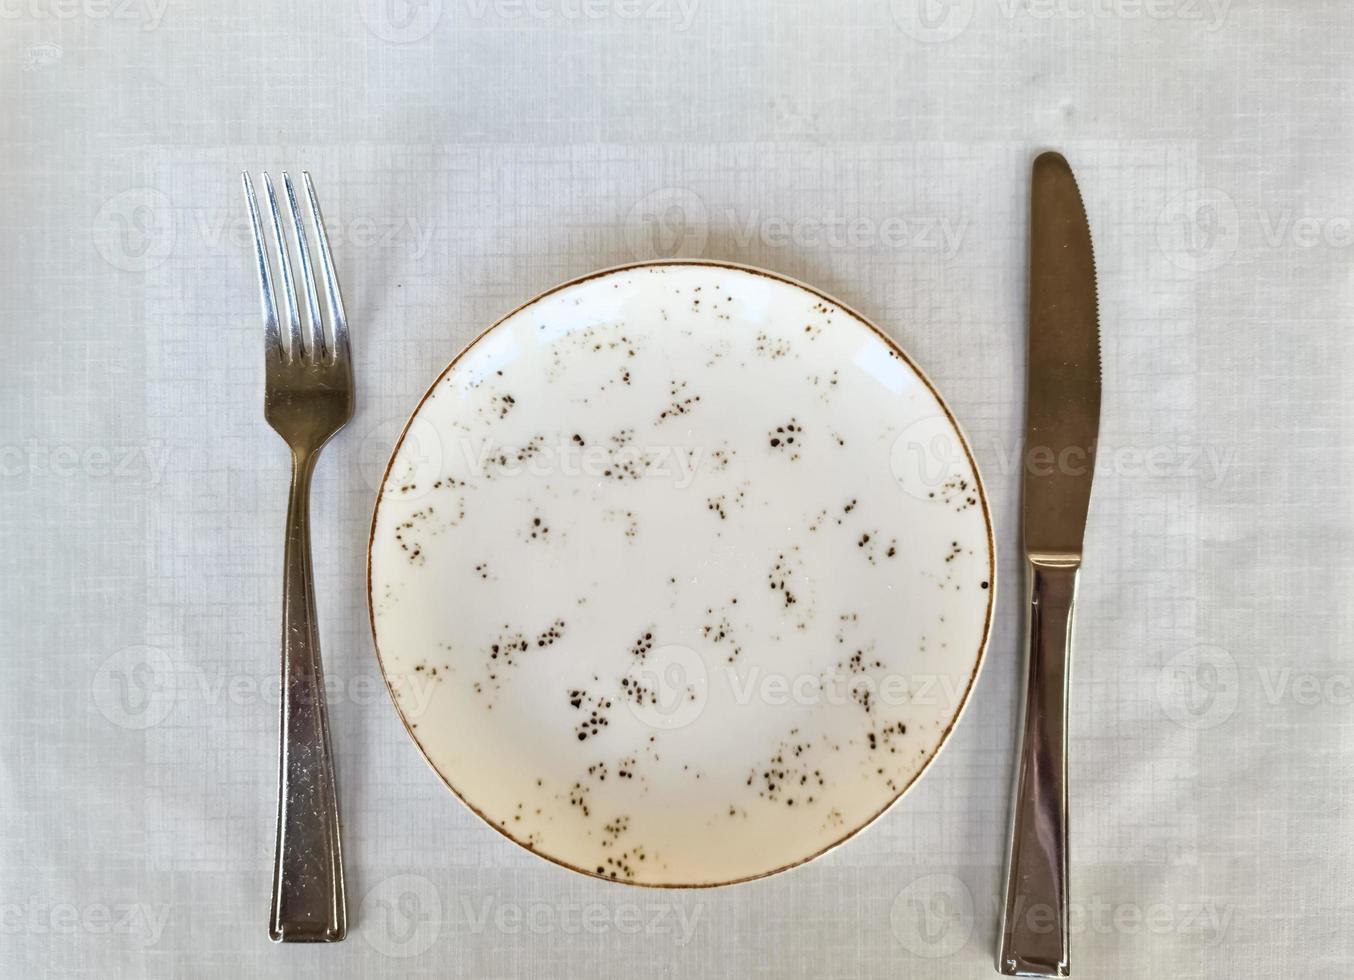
[308, 396]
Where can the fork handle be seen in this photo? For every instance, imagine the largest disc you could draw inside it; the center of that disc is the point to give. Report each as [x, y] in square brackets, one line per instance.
[308, 897]
[1035, 924]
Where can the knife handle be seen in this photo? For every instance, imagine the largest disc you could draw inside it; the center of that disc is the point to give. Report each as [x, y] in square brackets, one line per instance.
[1034, 940]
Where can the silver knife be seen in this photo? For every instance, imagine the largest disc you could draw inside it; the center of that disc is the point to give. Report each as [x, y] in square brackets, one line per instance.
[1062, 421]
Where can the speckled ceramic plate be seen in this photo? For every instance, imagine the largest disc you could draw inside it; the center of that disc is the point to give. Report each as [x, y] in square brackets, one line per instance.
[681, 574]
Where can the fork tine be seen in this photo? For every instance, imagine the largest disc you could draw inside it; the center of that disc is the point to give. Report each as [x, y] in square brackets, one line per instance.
[298, 347]
[331, 286]
[317, 339]
[272, 340]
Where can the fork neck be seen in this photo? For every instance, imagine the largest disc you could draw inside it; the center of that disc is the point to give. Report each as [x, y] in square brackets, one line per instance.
[302, 468]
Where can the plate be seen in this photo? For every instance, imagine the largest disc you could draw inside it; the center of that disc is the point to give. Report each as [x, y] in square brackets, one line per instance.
[681, 574]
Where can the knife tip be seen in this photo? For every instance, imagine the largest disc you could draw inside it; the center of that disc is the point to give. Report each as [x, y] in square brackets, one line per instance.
[1051, 159]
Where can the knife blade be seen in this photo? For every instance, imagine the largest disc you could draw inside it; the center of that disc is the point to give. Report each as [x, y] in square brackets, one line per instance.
[1062, 423]
[1062, 414]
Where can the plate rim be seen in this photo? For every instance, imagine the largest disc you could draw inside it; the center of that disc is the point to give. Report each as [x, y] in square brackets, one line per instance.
[983, 642]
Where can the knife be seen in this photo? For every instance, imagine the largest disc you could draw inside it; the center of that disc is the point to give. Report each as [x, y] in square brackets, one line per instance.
[1062, 421]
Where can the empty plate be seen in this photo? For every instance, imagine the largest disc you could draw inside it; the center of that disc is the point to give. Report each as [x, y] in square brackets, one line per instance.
[681, 574]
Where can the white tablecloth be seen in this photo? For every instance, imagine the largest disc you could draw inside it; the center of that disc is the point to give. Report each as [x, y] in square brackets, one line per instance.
[472, 153]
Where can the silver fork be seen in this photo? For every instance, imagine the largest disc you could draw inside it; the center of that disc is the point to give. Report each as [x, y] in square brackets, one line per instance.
[308, 396]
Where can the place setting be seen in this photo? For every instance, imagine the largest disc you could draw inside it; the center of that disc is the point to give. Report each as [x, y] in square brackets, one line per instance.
[653, 489]
[682, 573]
